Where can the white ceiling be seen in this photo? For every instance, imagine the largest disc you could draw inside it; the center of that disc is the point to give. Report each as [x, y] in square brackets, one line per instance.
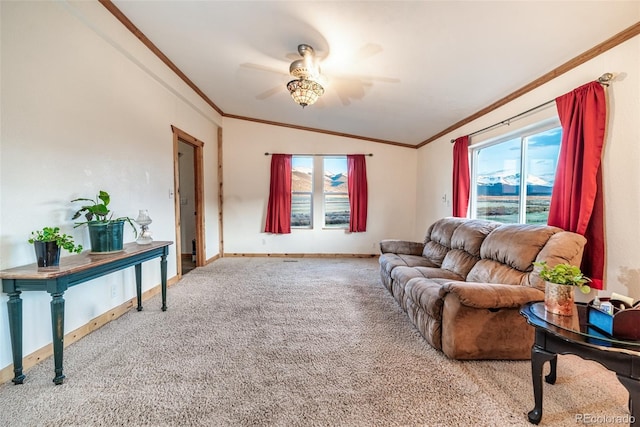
[398, 71]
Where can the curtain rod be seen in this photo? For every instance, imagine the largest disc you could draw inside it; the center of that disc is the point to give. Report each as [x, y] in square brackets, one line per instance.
[314, 155]
[603, 80]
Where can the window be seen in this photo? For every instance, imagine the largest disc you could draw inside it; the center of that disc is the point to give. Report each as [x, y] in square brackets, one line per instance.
[499, 191]
[332, 193]
[336, 192]
[301, 192]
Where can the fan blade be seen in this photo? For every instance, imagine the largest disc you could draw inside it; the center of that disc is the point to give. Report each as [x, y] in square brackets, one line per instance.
[348, 88]
[267, 93]
[367, 78]
[367, 51]
[262, 68]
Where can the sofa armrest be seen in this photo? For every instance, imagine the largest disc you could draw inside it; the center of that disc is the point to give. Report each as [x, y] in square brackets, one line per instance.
[401, 247]
[491, 295]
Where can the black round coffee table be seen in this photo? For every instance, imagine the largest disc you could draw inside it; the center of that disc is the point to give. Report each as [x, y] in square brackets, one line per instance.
[572, 335]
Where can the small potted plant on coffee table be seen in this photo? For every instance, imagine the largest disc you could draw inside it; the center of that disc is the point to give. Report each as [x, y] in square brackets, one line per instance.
[47, 244]
[105, 232]
[561, 280]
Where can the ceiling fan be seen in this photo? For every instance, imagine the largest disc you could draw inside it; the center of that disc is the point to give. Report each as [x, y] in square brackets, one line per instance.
[346, 87]
[306, 88]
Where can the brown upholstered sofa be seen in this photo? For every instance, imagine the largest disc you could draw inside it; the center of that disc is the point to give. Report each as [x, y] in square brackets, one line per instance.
[464, 285]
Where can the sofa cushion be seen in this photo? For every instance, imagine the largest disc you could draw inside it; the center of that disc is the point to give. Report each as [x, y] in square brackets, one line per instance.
[564, 247]
[491, 295]
[424, 308]
[438, 239]
[390, 261]
[470, 235]
[404, 274]
[430, 328]
[508, 252]
[459, 262]
[490, 271]
[466, 241]
[517, 245]
[400, 276]
[425, 293]
[401, 247]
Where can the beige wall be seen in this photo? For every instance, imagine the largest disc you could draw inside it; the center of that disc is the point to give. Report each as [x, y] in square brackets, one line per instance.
[390, 176]
[85, 106]
[620, 161]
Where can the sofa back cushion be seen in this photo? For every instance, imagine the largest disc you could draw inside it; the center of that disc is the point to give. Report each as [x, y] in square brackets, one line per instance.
[508, 252]
[437, 242]
[466, 242]
[564, 247]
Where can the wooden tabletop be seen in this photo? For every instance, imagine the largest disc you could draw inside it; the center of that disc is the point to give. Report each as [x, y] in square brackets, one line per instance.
[75, 263]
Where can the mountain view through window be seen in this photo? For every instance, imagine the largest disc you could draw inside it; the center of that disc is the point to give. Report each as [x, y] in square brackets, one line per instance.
[301, 191]
[501, 192]
[334, 195]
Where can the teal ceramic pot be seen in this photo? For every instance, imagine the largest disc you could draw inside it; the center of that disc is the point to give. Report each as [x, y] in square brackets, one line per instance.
[106, 237]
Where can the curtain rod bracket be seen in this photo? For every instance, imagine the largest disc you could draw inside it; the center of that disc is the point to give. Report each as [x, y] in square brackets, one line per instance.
[605, 79]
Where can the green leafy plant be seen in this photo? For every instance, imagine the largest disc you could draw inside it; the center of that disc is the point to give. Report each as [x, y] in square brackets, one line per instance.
[98, 211]
[52, 234]
[564, 274]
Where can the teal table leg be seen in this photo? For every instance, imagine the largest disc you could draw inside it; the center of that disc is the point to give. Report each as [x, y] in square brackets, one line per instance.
[163, 278]
[14, 306]
[57, 323]
[139, 285]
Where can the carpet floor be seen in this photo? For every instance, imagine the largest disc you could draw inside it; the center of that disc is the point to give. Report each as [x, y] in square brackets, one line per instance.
[290, 342]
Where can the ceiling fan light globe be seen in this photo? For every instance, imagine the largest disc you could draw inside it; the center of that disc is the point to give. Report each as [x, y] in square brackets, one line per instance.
[305, 92]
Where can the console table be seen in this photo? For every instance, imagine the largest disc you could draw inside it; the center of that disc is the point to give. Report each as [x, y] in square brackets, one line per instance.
[571, 335]
[73, 270]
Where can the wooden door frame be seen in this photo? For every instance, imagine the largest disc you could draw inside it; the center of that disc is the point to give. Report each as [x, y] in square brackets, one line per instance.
[198, 146]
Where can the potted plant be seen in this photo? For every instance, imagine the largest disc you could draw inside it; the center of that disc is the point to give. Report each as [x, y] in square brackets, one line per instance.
[561, 280]
[47, 244]
[105, 232]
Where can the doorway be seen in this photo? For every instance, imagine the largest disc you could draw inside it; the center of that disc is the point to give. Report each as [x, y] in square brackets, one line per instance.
[188, 197]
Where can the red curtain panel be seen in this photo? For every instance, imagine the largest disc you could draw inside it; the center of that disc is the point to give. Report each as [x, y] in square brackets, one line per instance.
[357, 183]
[461, 180]
[279, 207]
[576, 201]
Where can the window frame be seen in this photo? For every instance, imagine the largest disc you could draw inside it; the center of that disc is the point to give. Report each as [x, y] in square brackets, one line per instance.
[523, 133]
[317, 195]
[326, 226]
[309, 193]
